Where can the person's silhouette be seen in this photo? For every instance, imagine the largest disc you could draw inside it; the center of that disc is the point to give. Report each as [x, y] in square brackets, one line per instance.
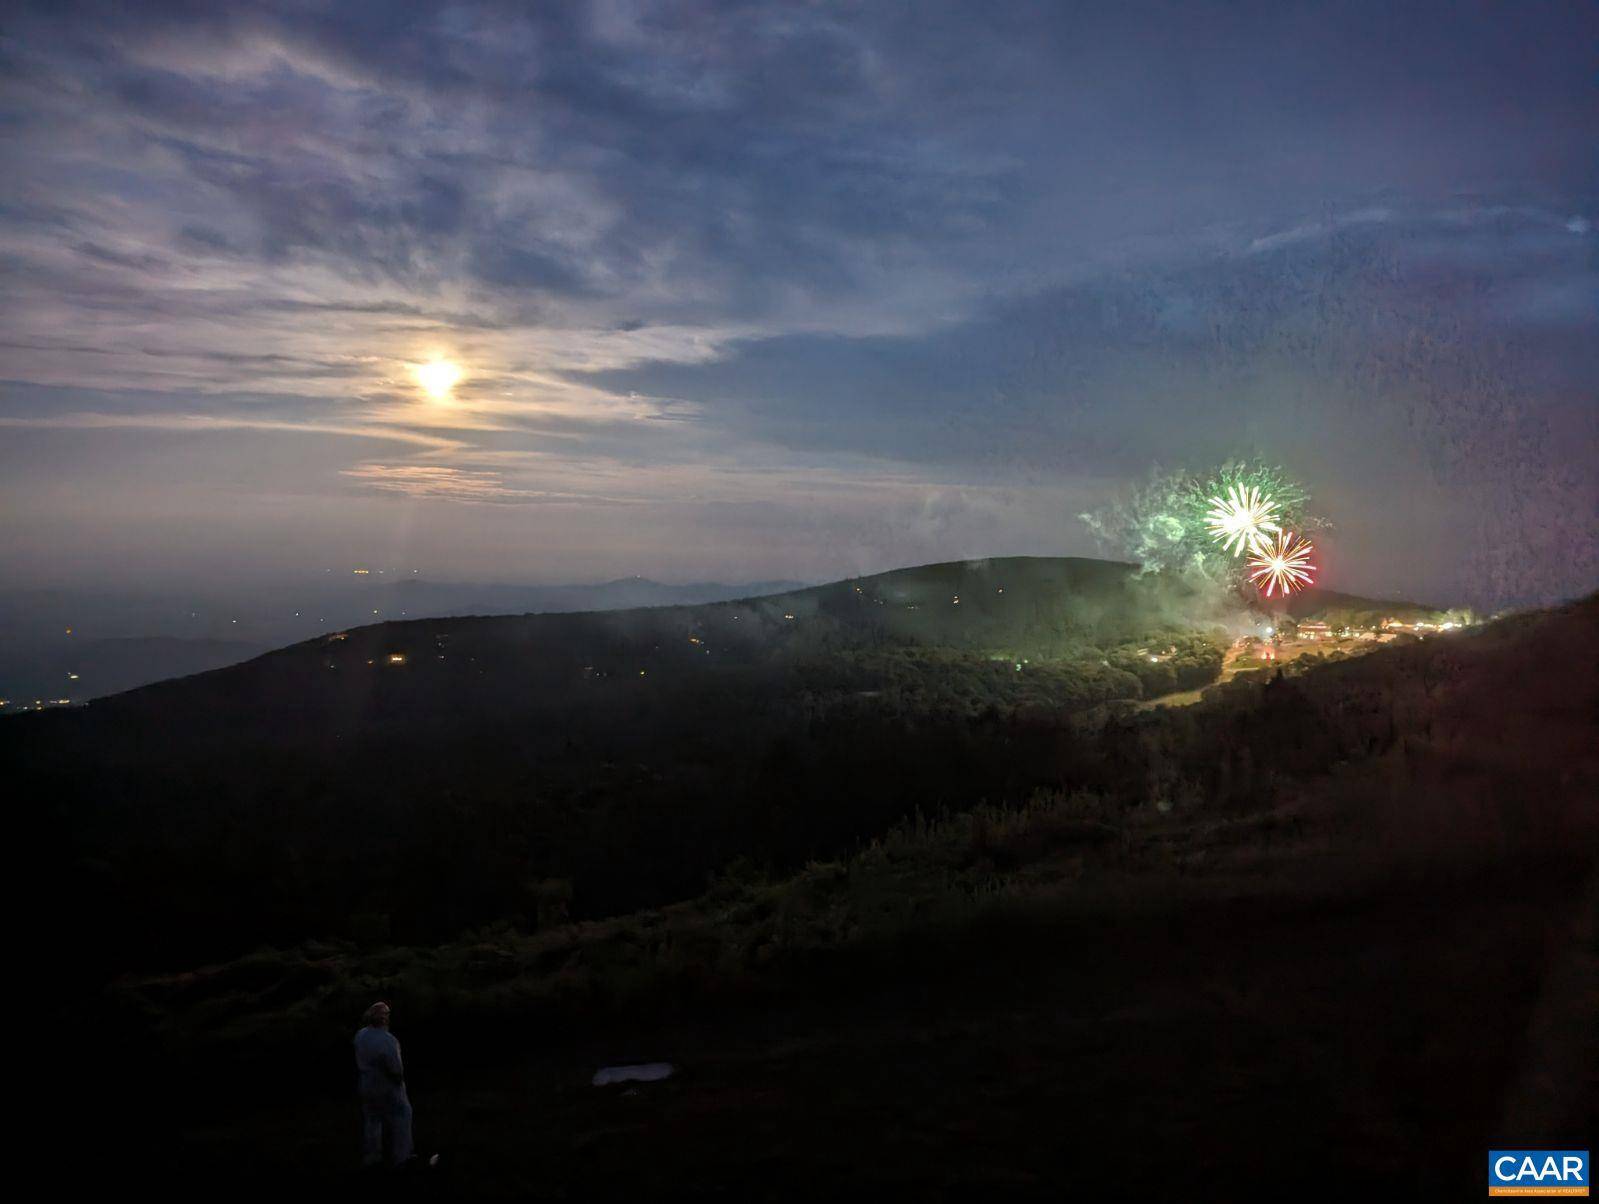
[385, 1107]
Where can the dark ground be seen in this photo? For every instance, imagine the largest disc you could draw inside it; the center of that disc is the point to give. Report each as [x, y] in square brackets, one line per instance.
[1350, 981]
[1378, 1042]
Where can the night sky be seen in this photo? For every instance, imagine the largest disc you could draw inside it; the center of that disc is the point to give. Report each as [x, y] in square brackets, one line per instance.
[752, 291]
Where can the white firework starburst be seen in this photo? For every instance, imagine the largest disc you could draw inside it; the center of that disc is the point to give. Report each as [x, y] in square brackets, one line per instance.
[1240, 519]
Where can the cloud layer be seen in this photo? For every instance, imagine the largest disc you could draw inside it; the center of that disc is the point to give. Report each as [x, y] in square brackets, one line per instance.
[834, 266]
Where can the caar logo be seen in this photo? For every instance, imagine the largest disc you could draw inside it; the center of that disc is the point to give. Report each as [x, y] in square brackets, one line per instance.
[1537, 1172]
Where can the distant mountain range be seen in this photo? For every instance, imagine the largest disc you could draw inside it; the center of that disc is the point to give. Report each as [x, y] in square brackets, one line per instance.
[480, 641]
[417, 598]
[79, 645]
[93, 668]
[1336, 608]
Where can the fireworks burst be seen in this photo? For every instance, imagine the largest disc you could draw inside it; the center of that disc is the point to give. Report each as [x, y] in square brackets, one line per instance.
[1283, 565]
[1240, 518]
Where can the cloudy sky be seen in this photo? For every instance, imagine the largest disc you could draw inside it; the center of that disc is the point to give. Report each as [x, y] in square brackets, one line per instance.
[745, 291]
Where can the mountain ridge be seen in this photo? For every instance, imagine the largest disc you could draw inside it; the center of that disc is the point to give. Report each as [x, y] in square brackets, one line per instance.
[431, 771]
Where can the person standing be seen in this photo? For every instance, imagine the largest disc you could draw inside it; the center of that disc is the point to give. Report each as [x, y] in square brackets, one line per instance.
[385, 1107]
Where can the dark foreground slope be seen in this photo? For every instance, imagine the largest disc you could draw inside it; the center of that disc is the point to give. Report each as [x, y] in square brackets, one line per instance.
[1303, 938]
[409, 779]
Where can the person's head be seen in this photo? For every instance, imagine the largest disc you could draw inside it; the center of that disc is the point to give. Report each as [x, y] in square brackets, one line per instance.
[377, 1016]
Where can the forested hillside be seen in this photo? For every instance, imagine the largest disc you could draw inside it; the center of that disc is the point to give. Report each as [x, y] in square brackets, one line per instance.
[405, 780]
[1180, 913]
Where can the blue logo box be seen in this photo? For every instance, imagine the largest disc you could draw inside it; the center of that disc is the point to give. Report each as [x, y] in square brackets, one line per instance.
[1538, 1172]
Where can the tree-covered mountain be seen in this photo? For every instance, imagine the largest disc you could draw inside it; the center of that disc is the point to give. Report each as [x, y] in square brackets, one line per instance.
[413, 777]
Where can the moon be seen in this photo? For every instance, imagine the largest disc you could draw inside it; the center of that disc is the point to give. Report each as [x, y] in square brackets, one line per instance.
[437, 378]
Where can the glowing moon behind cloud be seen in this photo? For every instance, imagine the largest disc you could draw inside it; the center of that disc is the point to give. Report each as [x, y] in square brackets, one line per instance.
[437, 378]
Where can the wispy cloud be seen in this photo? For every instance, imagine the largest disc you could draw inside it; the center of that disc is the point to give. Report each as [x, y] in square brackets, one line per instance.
[1321, 229]
[716, 254]
[214, 422]
[446, 483]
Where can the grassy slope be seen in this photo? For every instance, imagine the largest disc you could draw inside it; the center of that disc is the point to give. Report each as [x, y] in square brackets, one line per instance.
[1376, 962]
